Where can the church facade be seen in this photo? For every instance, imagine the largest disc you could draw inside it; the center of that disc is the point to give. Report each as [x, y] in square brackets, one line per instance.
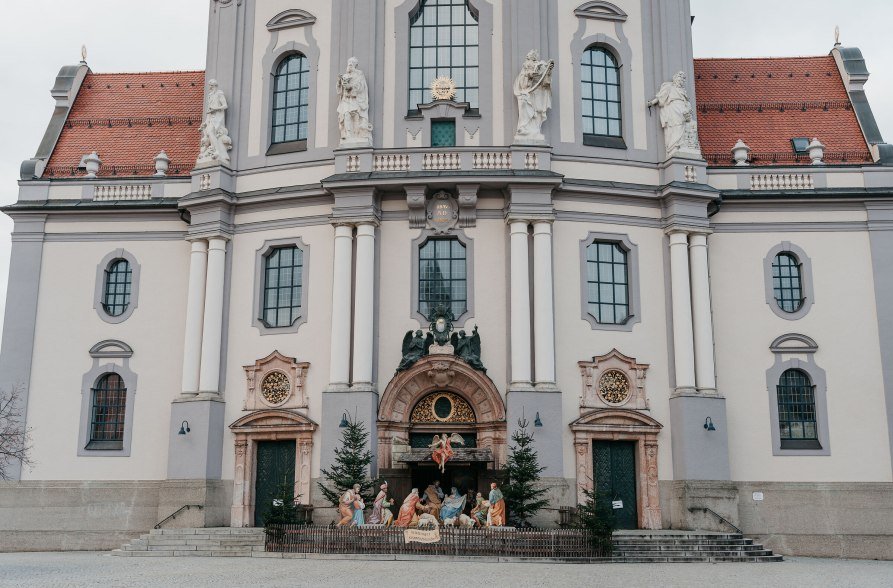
[442, 217]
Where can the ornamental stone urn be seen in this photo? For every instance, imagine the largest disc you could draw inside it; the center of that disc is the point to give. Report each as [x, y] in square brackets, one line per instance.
[816, 151]
[91, 164]
[741, 153]
[162, 163]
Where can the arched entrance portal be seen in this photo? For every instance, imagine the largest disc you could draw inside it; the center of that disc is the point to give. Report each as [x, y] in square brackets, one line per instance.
[440, 394]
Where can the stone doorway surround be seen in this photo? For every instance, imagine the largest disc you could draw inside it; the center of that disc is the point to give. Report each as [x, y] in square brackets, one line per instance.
[613, 404]
[268, 425]
[439, 373]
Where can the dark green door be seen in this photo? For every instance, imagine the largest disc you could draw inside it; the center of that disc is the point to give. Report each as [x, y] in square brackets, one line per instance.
[615, 480]
[275, 466]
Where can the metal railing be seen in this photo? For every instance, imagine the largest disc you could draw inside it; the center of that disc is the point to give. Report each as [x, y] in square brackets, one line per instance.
[178, 511]
[569, 544]
[717, 515]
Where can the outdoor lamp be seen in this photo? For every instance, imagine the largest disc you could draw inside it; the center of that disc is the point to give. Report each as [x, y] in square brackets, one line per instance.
[536, 421]
[184, 428]
[708, 424]
[343, 424]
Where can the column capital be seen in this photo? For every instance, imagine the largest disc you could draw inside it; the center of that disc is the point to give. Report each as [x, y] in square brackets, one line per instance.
[198, 244]
[366, 229]
[678, 237]
[518, 226]
[542, 227]
[698, 240]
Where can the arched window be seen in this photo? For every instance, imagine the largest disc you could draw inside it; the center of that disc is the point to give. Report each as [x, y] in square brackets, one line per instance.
[283, 284]
[107, 413]
[291, 95]
[600, 80]
[607, 278]
[797, 411]
[117, 288]
[787, 281]
[443, 276]
[443, 41]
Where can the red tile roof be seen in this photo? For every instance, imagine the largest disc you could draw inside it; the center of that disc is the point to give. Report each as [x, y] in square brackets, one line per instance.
[768, 101]
[128, 118]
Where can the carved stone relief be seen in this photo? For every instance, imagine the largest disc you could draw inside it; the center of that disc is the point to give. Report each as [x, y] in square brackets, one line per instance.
[275, 381]
[613, 380]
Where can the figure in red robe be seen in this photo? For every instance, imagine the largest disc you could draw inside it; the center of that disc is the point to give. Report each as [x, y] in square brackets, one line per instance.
[442, 448]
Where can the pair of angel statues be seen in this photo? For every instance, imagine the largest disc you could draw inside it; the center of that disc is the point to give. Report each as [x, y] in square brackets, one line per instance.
[416, 346]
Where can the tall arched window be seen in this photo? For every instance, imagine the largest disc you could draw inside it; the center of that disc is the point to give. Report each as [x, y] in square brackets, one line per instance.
[283, 282]
[607, 278]
[117, 287]
[291, 95]
[600, 80]
[796, 411]
[443, 41]
[787, 281]
[107, 413]
[443, 276]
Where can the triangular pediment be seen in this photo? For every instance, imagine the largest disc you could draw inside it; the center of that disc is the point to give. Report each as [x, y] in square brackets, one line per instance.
[268, 420]
[289, 19]
[600, 11]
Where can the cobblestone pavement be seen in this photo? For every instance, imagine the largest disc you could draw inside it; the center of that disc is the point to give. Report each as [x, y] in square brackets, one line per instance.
[97, 569]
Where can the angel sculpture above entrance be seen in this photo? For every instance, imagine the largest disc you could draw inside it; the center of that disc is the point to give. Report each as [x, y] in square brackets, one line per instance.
[442, 448]
[468, 349]
[415, 347]
[441, 340]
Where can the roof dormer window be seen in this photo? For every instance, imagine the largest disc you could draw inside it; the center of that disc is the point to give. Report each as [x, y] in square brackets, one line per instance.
[800, 144]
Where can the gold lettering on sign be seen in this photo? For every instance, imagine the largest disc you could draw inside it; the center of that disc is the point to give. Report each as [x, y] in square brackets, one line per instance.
[421, 535]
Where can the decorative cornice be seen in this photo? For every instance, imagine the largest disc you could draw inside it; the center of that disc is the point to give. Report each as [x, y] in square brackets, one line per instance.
[599, 10]
[289, 19]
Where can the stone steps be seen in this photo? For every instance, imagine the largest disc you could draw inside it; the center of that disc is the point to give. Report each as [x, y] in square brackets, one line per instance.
[212, 542]
[688, 547]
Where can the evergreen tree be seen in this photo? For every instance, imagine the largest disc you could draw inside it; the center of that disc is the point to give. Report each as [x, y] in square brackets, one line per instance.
[524, 497]
[285, 509]
[351, 465]
[597, 517]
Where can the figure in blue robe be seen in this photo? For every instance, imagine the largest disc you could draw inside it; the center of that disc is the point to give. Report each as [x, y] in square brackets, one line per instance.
[453, 505]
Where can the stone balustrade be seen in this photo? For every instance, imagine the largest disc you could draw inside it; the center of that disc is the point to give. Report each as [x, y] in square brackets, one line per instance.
[122, 192]
[456, 159]
[781, 182]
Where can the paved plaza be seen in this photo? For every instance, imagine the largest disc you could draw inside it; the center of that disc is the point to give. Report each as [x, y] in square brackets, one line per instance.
[98, 569]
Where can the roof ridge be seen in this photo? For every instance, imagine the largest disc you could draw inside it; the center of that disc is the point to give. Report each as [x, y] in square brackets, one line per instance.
[776, 57]
[146, 73]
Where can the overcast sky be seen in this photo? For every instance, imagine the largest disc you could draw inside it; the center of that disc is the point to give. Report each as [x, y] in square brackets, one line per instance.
[39, 36]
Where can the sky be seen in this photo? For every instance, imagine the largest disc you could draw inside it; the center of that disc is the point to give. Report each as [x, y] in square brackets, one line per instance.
[39, 36]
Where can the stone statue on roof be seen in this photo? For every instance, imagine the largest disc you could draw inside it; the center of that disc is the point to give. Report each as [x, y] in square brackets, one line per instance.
[677, 117]
[215, 143]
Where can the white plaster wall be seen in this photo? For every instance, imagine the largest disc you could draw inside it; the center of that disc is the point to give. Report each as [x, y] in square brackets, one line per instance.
[321, 32]
[607, 172]
[67, 326]
[842, 321]
[568, 25]
[577, 341]
[311, 342]
[298, 176]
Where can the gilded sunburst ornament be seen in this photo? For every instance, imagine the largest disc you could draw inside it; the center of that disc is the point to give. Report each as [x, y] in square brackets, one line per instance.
[275, 388]
[443, 88]
[613, 387]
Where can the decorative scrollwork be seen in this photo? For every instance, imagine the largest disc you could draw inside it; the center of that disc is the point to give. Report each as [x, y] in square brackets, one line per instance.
[275, 388]
[613, 387]
[443, 407]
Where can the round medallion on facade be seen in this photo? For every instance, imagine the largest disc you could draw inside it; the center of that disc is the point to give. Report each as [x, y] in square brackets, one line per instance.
[442, 407]
[443, 88]
[613, 387]
[275, 388]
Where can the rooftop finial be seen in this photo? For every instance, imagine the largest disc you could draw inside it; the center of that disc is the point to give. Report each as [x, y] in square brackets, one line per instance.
[837, 36]
[83, 54]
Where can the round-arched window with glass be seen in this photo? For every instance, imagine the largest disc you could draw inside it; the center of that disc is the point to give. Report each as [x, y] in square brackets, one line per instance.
[118, 284]
[787, 281]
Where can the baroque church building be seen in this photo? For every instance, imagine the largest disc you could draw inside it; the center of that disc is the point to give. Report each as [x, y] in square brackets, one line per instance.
[457, 216]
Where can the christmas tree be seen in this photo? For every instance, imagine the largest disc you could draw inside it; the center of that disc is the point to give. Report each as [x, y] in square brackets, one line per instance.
[523, 494]
[351, 465]
[597, 517]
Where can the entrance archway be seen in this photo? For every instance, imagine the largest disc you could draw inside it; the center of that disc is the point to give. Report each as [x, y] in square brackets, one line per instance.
[439, 394]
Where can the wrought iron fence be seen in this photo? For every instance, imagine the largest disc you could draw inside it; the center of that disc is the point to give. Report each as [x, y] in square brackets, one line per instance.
[565, 544]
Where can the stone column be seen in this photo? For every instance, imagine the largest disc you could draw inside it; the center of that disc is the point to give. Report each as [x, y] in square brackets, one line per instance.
[683, 338]
[339, 362]
[212, 328]
[364, 310]
[702, 320]
[520, 304]
[543, 310]
[195, 308]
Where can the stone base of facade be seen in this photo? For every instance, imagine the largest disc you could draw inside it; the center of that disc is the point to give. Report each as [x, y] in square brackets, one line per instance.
[79, 515]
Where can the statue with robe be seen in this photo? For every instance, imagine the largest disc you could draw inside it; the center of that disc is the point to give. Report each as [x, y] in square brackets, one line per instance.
[434, 499]
[353, 106]
[677, 117]
[496, 514]
[415, 347]
[215, 142]
[453, 505]
[408, 509]
[479, 511]
[468, 349]
[346, 506]
[533, 90]
[381, 513]
[442, 448]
